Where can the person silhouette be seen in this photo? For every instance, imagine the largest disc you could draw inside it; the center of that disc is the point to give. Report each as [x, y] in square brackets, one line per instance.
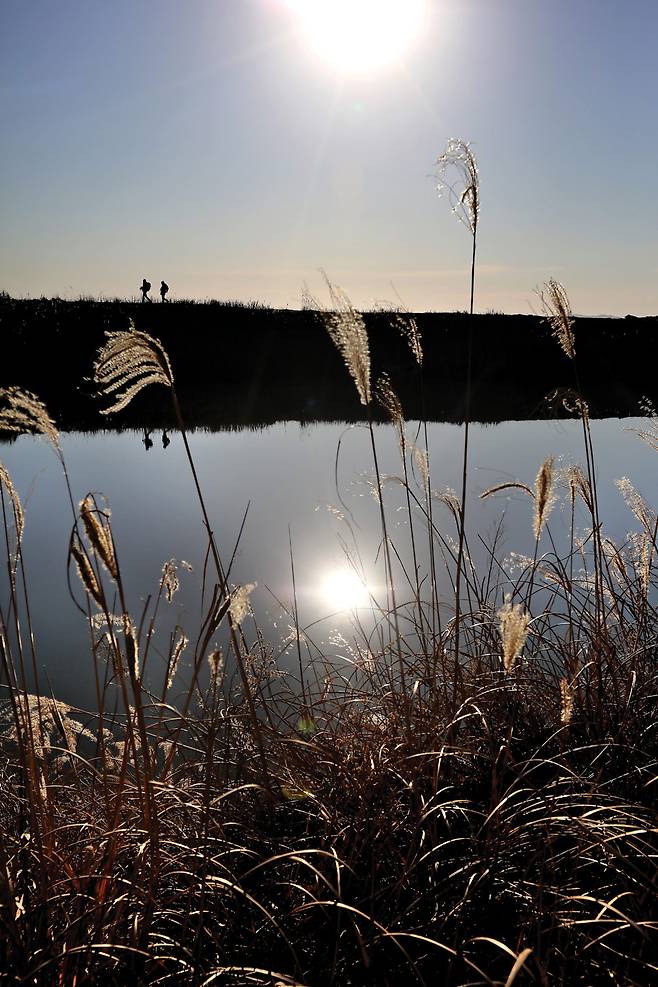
[165, 438]
[147, 440]
[146, 287]
[164, 288]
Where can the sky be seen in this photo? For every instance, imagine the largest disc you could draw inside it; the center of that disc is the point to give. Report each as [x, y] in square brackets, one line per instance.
[211, 144]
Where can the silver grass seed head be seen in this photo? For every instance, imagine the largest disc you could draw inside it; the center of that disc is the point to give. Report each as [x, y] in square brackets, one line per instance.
[128, 362]
[451, 500]
[170, 580]
[544, 497]
[422, 464]
[216, 665]
[390, 402]
[557, 309]
[643, 566]
[458, 177]
[132, 647]
[22, 411]
[615, 561]
[6, 484]
[567, 702]
[514, 628]
[347, 331]
[88, 577]
[508, 485]
[648, 435]
[637, 504]
[239, 606]
[579, 486]
[178, 650]
[408, 329]
[570, 400]
[97, 528]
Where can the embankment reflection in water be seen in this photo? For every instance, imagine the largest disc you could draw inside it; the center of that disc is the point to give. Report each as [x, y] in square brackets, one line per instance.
[287, 475]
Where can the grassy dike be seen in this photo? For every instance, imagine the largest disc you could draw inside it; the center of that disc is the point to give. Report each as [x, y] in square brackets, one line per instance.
[248, 365]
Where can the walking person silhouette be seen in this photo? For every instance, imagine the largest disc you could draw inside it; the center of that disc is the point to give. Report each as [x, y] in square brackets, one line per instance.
[164, 288]
[146, 287]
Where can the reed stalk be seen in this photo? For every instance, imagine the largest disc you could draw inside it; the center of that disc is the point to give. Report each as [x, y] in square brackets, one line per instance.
[464, 195]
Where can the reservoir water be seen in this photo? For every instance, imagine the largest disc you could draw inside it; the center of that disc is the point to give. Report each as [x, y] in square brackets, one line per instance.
[310, 484]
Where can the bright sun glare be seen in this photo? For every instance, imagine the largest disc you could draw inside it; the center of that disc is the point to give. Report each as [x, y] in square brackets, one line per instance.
[360, 36]
[343, 590]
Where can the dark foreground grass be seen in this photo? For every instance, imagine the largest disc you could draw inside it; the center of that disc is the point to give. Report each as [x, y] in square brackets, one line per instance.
[425, 817]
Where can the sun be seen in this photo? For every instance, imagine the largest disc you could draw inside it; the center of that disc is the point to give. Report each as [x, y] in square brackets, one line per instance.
[359, 37]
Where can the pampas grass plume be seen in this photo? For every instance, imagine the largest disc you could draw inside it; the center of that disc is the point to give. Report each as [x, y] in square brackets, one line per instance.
[239, 606]
[514, 629]
[99, 534]
[6, 482]
[179, 648]
[129, 362]
[348, 332]
[544, 498]
[464, 193]
[567, 700]
[88, 577]
[22, 411]
[557, 309]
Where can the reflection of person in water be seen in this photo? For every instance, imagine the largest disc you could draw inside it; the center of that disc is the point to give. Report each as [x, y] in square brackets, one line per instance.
[146, 287]
[165, 439]
[147, 440]
[164, 288]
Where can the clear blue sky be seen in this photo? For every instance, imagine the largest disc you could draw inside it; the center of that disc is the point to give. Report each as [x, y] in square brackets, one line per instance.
[206, 143]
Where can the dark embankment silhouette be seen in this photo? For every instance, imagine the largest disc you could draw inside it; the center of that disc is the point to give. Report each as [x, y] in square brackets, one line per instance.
[249, 365]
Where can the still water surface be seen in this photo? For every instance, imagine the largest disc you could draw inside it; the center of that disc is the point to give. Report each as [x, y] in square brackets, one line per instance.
[286, 474]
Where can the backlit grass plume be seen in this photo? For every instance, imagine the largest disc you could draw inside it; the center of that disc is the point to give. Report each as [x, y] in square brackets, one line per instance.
[348, 331]
[88, 577]
[129, 362]
[514, 622]
[408, 329]
[637, 504]
[567, 701]
[544, 498]
[21, 411]
[178, 649]
[390, 402]
[239, 606]
[464, 192]
[7, 486]
[557, 309]
[98, 531]
[458, 176]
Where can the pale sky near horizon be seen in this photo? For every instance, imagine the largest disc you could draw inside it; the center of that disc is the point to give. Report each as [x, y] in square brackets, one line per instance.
[206, 142]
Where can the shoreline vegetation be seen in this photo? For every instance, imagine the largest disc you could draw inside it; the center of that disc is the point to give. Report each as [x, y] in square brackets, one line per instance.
[250, 366]
[408, 811]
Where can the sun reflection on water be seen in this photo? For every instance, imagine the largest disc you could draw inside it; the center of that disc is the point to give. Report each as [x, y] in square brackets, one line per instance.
[343, 589]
